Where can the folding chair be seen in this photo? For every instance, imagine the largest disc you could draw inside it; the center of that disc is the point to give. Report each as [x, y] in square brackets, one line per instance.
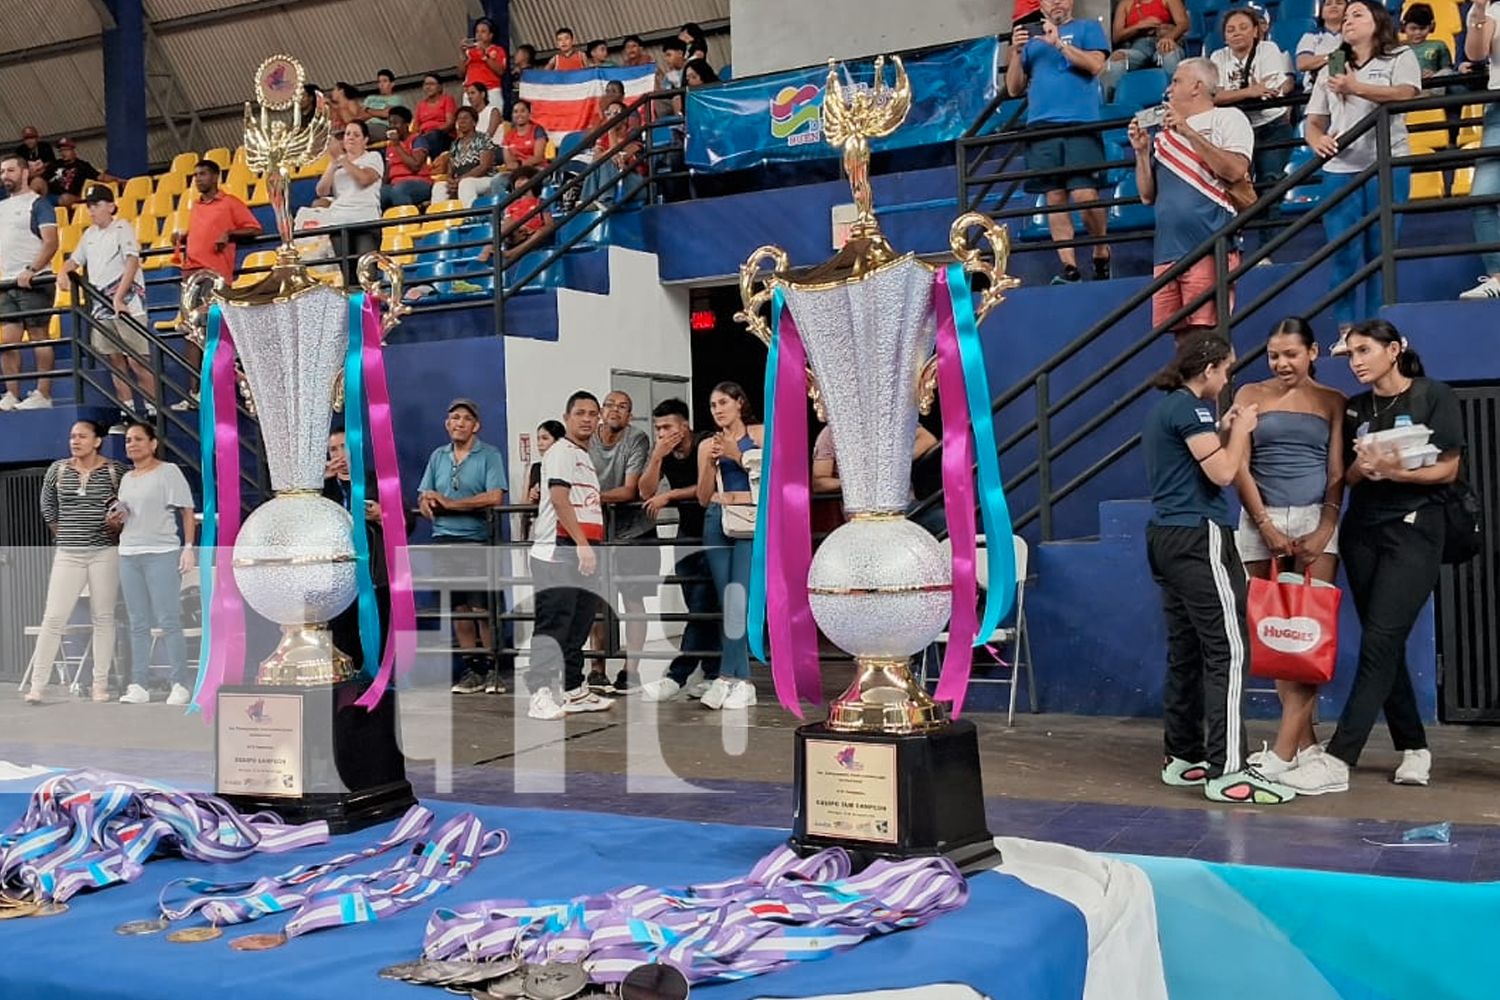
[1014, 635]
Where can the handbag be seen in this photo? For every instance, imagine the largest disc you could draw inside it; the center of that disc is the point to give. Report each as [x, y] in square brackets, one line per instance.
[739, 518]
[1294, 628]
[1463, 524]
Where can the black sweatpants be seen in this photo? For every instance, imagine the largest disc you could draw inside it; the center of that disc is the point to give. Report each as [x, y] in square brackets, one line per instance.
[1392, 570]
[566, 602]
[1203, 596]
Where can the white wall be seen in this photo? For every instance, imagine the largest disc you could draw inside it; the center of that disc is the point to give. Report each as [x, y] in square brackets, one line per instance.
[772, 35]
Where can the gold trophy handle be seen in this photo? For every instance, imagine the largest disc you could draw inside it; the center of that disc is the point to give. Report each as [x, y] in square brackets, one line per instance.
[756, 299]
[371, 269]
[974, 262]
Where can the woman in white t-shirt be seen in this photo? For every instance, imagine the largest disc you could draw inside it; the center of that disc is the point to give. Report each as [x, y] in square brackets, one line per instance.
[1314, 48]
[1480, 43]
[349, 189]
[1253, 69]
[1377, 70]
[153, 497]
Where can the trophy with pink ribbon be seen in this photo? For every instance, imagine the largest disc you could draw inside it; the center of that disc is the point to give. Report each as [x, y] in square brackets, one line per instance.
[306, 736]
[874, 336]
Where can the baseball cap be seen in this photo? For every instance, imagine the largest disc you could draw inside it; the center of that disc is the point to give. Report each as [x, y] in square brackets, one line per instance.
[30, 132]
[66, 144]
[466, 404]
[97, 193]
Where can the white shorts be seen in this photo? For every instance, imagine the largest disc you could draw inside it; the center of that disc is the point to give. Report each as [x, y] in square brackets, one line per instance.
[1293, 522]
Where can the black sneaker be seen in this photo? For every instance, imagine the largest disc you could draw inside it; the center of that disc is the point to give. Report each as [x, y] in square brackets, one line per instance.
[1070, 276]
[598, 680]
[624, 683]
[493, 684]
[470, 683]
[1101, 268]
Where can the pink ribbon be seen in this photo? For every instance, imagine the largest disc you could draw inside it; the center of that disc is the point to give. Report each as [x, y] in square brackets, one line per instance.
[401, 631]
[794, 634]
[226, 660]
[958, 502]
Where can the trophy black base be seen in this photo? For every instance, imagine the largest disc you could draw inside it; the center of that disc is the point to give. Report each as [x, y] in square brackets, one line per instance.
[888, 795]
[311, 753]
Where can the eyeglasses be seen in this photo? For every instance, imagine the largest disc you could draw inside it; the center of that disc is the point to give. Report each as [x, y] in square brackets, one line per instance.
[453, 481]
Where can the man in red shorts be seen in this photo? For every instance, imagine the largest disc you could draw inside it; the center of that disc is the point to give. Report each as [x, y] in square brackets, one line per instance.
[1185, 170]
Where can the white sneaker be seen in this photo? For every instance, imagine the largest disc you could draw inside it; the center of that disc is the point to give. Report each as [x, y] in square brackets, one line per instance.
[1415, 767]
[699, 687]
[716, 693]
[581, 699]
[179, 696]
[135, 695]
[1318, 775]
[661, 690]
[9, 401]
[35, 401]
[543, 706]
[741, 695]
[191, 403]
[1341, 346]
[1268, 764]
[1488, 288]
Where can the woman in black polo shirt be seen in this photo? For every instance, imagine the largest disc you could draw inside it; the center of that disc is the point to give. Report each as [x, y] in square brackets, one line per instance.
[1392, 544]
[1190, 458]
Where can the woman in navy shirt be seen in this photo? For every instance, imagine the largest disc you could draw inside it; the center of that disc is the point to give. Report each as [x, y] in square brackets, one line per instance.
[1190, 458]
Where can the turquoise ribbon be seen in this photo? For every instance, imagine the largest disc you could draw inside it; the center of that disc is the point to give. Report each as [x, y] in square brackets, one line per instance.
[755, 622]
[209, 537]
[1000, 554]
[354, 440]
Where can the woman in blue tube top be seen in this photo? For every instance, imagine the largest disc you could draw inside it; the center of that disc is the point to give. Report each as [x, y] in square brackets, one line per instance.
[1290, 491]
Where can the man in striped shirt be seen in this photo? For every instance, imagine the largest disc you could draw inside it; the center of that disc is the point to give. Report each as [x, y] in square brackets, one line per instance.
[1186, 171]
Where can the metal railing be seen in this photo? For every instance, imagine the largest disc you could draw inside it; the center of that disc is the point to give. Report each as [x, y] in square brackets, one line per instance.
[1038, 429]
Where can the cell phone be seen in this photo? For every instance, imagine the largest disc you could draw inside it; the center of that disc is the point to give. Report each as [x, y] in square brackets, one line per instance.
[1154, 117]
[1338, 62]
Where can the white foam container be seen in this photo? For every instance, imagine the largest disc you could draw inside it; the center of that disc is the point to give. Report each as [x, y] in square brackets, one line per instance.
[1416, 458]
[1401, 438]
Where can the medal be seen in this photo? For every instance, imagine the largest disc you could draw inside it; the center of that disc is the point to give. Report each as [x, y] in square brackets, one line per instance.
[137, 928]
[18, 911]
[195, 935]
[258, 942]
[399, 971]
[555, 980]
[509, 987]
[655, 981]
[49, 909]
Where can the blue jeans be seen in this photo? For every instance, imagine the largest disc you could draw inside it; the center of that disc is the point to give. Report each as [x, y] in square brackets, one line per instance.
[153, 596]
[413, 191]
[1487, 181]
[729, 563]
[1365, 246]
[697, 636]
[1139, 52]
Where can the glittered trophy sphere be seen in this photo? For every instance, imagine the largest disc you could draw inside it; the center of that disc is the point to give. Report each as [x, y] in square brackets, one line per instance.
[879, 589]
[294, 560]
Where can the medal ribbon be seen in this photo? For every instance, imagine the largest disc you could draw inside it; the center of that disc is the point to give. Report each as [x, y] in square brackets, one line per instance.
[788, 909]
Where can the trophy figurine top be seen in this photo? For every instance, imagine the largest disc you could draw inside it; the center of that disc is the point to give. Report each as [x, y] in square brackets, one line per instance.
[278, 148]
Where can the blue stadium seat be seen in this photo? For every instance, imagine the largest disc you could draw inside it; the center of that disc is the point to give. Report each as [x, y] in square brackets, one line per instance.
[1141, 88]
[1035, 228]
[1130, 218]
[1117, 147]
[1286, 32]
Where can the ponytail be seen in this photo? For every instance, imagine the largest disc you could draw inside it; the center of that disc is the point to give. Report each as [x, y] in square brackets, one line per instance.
[1408, 362]
[1196, 352]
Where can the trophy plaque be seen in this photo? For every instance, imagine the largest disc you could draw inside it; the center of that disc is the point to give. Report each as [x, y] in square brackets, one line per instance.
[310, 738]
[890, 773]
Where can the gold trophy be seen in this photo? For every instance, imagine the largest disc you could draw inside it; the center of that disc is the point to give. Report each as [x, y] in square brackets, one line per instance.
[294, 558]
[888, 773]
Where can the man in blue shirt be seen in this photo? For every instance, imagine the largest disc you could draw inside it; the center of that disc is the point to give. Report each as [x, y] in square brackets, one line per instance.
[463, 479]
[1059, 65]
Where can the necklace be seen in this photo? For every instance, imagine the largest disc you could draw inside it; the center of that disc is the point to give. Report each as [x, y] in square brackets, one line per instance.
[1390, 401]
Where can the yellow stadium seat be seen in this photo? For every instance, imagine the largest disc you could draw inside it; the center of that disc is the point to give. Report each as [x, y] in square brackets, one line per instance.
[1427, 140]
[1427, 184]
[1474, 132]
[440, 207]
[147, 229]
[399, 247]
[68, 237]
[171, 184]
[183, 164]
[235, 187]
[1463, 177]
[62, 215]
[254, 268]
[240, 157]
[222, 156]
[259, 195]
[160, 205]
[313, 170]
[186, 201]
[137, 189]
[80, 215]
[400, 213]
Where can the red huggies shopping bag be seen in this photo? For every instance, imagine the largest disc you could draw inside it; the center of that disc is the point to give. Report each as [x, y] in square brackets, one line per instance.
[1294, 629]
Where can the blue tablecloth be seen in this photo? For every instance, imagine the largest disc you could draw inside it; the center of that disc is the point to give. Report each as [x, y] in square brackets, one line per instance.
[1010, 940]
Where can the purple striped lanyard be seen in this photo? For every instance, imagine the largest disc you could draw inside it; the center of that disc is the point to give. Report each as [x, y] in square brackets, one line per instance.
[788, 909]
[90, 829]
[239, 902]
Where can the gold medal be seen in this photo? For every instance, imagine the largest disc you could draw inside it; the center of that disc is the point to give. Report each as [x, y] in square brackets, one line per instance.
[18, 911]
[194, 935]
[50, 909]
